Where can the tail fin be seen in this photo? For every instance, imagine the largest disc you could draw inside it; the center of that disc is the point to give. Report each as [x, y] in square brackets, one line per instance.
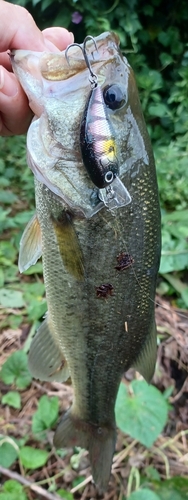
[99, 441]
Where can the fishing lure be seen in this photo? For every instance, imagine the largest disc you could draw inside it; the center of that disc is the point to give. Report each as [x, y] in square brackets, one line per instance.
[97, 140]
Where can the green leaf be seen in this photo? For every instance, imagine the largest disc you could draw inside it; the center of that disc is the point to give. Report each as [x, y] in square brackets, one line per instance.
[152, 473]
[15, 370]
[65, 494]
[22, 218]
[168, 392]
[181, 215]
[175, 488]
[78, 480]
[12, 398]
[12, 490]
[141, 412]
[159, 109]
[46, 414]
[7, 197]
[166, 59]
[2, 278]
[36, 269]
[8, 252]
[144, 494]
[13, 486]
[11, 298]
[8, 454]
[31, 458]
[36, 309]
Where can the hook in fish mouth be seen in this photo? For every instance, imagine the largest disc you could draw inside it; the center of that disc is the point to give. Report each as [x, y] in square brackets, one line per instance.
[93, 77]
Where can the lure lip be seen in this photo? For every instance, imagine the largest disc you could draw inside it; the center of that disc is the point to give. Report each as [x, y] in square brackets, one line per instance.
[115, 195]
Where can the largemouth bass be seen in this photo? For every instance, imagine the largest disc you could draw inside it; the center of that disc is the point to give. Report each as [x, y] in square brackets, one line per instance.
[100, 244]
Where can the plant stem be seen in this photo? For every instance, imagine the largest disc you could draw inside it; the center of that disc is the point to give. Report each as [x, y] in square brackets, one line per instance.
[28, 484]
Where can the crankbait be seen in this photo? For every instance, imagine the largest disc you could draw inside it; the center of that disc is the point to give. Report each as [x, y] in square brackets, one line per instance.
[97, 140]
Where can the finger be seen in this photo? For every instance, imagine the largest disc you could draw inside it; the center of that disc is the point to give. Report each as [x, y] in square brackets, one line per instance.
[54, 39]
[59, 37]
[22, 32]
[15, 112]
[5, 61]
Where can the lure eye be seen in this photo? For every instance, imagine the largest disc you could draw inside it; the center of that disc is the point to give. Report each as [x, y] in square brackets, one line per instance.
[109, 177]
[114, 96]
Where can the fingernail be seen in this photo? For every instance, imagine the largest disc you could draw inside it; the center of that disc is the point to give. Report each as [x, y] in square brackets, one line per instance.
[71, 37]
[8, 84]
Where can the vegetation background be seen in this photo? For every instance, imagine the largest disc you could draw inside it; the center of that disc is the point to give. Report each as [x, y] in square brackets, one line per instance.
[154, 37]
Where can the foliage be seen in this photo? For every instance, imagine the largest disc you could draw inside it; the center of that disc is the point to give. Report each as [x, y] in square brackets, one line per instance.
[8, 452]
[171, 163]
[32, 458]
[175, 488]
[141, 411]
[12, 490]
[12, 398]
[45, 416]
[15, 370]
[143, 494]
[66, 495]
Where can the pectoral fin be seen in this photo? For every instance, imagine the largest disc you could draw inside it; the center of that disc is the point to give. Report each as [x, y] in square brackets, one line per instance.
[69, 246]
[145, 363]
[30, 245]
[46, 360]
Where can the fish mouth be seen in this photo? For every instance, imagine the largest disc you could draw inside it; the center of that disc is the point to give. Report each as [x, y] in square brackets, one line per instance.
[44, 76]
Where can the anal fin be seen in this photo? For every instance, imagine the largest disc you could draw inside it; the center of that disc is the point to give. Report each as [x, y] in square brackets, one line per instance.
[30, 245]
[46, 360]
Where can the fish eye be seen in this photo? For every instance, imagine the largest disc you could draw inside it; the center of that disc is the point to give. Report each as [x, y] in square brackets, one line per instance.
[114, 96]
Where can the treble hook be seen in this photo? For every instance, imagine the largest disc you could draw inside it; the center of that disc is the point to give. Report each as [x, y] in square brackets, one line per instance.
[93, 77]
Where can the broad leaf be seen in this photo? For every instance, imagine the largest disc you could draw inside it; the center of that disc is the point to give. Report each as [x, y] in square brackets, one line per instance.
[31, 458]
[175, 488]
[144, 494]
[8, 455]
[15, 370]
[12, 398]
[11, 298]
[65, 494]
[46, 414]
[142, 412]
[12, 490]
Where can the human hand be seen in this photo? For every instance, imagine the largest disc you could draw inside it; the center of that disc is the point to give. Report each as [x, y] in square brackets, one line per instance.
[19, 31]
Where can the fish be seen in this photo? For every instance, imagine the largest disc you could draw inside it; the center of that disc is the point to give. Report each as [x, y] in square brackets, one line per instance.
[100, 244]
